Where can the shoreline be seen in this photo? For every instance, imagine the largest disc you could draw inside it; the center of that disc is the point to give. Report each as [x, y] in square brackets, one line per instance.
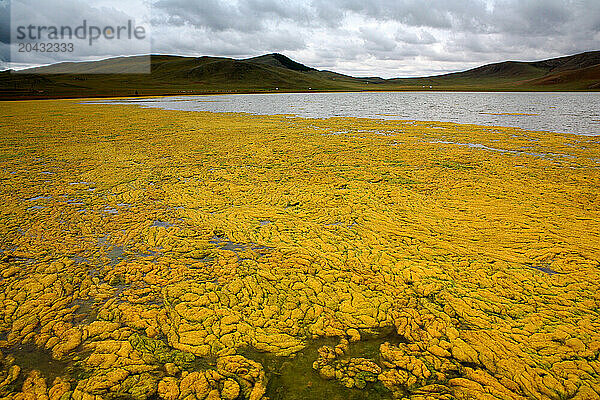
[219, 93]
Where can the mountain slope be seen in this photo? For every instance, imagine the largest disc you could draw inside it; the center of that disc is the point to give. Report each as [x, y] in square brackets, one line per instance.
[275, 72]
[124, 64]
[517, 75]
[570, 63]
[580, 79]
[279, 60]
[521, 69]
[171, 75]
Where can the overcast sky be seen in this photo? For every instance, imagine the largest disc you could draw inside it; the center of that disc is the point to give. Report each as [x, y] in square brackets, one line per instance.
[369, 37]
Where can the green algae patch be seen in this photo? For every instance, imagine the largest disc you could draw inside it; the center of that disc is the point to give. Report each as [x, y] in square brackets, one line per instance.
[157, 351]
[296, 378]
[29, 358]
[179, 255]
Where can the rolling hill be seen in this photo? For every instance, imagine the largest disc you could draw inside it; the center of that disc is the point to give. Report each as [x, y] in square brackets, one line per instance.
[277, 73]
[577, 72]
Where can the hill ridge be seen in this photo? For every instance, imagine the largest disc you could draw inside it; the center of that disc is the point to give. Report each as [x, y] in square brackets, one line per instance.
[173, 74]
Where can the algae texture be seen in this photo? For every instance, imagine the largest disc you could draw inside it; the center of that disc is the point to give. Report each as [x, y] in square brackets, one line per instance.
[186, 255]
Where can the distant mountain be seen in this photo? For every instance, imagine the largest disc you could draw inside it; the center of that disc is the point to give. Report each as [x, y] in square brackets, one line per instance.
[519, 69]
[173, 75]
[576, 72]
[279, 60]
[276, 72]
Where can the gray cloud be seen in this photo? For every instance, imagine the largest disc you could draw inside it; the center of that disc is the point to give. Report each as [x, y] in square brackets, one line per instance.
[244, 15]
[433, 36]
[72, 14]
[4, 21]
[4, 34]
[434, 14]
[376, 40]
[419, 37]
[377, 37]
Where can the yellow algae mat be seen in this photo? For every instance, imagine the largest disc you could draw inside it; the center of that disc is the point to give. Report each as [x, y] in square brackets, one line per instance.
[184, 255]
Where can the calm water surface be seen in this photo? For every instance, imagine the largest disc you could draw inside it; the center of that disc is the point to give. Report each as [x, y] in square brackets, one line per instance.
[577, 113]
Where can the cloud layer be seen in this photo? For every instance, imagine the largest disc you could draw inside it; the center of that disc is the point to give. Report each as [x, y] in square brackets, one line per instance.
[380, 37]
[389, 38]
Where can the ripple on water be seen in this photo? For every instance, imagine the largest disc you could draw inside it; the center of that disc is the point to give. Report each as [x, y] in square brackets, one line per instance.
[162, 224]
[224, 243]
[544, 269]
[41, 197]
[517, 152]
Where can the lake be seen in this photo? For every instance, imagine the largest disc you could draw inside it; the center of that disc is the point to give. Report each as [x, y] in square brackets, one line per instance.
[573, 112]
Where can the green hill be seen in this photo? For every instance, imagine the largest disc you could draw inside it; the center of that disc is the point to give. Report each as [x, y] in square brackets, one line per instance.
[518, 75]
[172, 75]
[277, 73]
[281, 61]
